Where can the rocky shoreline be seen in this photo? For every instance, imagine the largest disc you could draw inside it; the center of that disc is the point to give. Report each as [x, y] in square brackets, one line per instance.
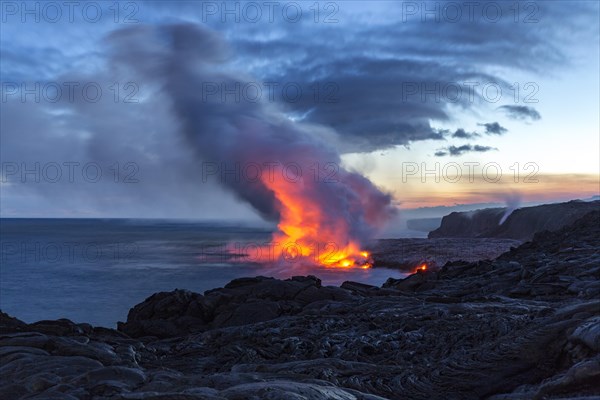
[407, 254]
[525, 325]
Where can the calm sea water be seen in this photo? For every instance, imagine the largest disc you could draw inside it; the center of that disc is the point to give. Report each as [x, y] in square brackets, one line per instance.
[95, 270]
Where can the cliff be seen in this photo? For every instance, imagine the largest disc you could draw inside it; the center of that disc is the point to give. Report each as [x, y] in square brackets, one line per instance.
[521, 224]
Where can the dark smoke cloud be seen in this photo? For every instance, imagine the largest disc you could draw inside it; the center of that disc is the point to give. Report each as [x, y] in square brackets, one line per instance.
[521, 112]
[244, 132]
[494, 128]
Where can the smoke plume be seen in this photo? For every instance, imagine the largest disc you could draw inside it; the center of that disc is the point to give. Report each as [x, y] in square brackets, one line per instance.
[341, 206]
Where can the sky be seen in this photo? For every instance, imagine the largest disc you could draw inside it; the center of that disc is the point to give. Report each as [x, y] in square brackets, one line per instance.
[437, 103]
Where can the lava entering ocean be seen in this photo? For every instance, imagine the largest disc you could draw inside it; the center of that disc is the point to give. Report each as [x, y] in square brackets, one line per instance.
[321, 221]
[307, 232]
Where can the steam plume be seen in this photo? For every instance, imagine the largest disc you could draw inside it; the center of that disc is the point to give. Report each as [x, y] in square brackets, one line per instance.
[513, 201]
[348, 209]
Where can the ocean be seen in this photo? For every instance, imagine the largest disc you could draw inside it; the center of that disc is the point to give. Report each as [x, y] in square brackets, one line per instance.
[95, 270]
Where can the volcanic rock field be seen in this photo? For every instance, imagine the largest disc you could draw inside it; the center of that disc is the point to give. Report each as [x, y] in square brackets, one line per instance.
[525, 325]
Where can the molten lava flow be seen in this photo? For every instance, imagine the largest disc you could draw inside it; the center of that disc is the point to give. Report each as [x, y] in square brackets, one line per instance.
[308, 231]
[421, 268]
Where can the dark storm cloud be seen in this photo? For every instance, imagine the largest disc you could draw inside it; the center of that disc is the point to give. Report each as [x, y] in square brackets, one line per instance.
[378, 103]
[458, 150]
[460, 133]
[521, 112]
[494, 128]
[372, 68]
[375, 66]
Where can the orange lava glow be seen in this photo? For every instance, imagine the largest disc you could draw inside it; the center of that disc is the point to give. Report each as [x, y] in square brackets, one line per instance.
[421, 268]
[309, 233]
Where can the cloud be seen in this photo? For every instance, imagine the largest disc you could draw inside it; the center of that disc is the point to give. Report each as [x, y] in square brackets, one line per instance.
[466, 148]
[483, 148]
[460, 133]
[372, 82]
[367, 106]
[375, 103]
[373, 89]
[521, 112]
[494, 128]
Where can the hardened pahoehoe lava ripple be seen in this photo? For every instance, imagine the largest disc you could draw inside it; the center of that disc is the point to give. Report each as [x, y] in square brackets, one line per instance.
[523, 326]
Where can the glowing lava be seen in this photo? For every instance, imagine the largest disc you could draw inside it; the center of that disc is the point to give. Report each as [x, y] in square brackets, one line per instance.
[310, 232]
[421, 268]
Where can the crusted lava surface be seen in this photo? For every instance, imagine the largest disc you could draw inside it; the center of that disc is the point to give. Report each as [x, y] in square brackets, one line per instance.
[525, 325]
